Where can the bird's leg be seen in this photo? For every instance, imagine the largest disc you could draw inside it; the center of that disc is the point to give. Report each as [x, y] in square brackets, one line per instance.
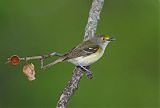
[89, 74]
[44, 57]
[87, 71]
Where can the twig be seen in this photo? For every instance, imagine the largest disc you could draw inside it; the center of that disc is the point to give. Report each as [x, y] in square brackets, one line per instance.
[90, 30]
[42, 58]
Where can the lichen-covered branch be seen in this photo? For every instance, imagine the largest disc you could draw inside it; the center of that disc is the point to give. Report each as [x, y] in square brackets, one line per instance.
[70, 88]
[94, 16]
[90, 30]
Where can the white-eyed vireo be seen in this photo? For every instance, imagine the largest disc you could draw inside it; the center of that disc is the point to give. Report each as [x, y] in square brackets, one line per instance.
[86, 53]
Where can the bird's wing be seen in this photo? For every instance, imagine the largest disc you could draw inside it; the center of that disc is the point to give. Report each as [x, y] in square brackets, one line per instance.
[84, 49]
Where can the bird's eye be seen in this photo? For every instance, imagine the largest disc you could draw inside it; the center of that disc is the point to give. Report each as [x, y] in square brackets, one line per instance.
[103, 39]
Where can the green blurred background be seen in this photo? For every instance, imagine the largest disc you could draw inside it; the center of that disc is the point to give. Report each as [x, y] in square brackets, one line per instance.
[126, 77]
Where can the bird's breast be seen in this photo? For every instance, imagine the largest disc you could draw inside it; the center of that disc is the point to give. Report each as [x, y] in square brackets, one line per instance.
[87, 60]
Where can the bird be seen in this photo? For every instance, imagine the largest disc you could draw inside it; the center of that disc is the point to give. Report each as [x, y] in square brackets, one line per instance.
[85, 53]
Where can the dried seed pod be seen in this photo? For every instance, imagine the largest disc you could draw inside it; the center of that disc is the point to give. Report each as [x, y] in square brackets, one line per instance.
[29, 71]
[14, 60]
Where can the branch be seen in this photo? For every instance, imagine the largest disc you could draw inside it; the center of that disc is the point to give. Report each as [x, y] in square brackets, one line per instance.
[90, 30]
[70, 88]
[94, 17]
[15, 59]
[28, 69]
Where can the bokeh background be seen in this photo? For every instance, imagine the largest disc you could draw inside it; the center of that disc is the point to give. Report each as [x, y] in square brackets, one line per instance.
[126, 77]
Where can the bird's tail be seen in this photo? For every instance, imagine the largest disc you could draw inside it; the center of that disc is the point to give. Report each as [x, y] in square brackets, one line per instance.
[60, 59]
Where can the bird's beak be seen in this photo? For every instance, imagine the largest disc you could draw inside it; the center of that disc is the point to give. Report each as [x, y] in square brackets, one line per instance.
[112, 39]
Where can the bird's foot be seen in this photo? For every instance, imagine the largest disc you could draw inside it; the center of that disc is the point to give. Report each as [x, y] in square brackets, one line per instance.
[87, 71]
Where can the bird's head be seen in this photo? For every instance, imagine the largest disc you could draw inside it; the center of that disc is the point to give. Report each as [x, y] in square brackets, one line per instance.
[103, 39]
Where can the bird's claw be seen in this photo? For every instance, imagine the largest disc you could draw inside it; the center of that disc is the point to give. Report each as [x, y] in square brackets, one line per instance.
[90, 76]
[87, 71]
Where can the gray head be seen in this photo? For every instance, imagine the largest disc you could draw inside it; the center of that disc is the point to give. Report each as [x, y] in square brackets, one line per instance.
[102, 39]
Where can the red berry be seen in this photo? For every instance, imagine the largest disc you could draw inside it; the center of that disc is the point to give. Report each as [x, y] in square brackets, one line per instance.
[14, 60]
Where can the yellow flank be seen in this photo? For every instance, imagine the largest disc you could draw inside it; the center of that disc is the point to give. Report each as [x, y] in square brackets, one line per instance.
[87, 60]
